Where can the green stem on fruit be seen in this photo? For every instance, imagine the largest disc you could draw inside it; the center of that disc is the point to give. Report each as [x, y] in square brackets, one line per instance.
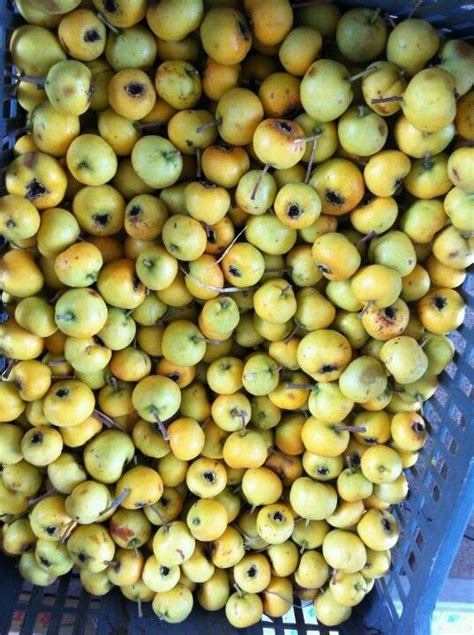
[363, 73]
[107, 24]
[306, 522]
[118, 500]
[68, 531]
[208, 124]
[259, 181]
[343, 428]
[374, 16]
[363, 311]
[238, 589]
[47, 494]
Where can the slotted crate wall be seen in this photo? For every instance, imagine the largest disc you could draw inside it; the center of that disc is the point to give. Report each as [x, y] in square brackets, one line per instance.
[432, 518]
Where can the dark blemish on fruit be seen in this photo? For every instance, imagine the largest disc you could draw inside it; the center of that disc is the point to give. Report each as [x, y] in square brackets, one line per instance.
[211, 236]
[135, 210]
[82, 557]
[234, 272]
[62, 392]
[175, 376]
[455, 173]
[224, 146]
[386, 525]
[82, 164]
[34, 189]
[110, 6]
[164, 501]
[370, 440]
[328, 368]
[191, 72]
[439, 302]
[196, 521]
[37, 437]
[322, 471]
[284, 126]
[252, 572]
[91, 36]
[323, 269]
[390, 312]
[136, 282]
[278, 516]
[417, 426]
[10, 223]
[51, 530]
[334, 197]
[244, 32]
[134, 89]
[189, 143]
[45, 562]
[101, 219]
[209, 477]
[164, 570]
[294, 211]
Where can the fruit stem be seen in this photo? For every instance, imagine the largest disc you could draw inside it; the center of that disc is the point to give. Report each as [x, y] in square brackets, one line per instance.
[297, 386]
[415, 9]
[208, 124]
[113, 382]
[68, 531]
[210, 286]
[341, 428]
[386, 100]
[374, 16]
[292, 333]
[282, 456]
[367, 237]
[117, 501]
[145, 126]
[8, 369]
[160, 424]
[56, 362]
[259, 181]
[50, 492]
[198, 162]
[140, 610]
[309, 167]
[106, 420]
[238, 589]
[107, 24]
[226, 250]
[306, 139]
[363, 73]
[154, 507]
[427, 162]
[280, 596]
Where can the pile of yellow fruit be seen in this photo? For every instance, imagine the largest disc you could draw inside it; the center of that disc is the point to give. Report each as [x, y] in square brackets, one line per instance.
[234, 232]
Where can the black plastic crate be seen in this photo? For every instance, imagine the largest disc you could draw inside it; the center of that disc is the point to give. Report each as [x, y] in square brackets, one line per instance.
[433, 518]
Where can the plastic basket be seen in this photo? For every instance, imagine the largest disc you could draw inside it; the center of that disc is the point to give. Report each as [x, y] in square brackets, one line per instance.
[433, 518]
